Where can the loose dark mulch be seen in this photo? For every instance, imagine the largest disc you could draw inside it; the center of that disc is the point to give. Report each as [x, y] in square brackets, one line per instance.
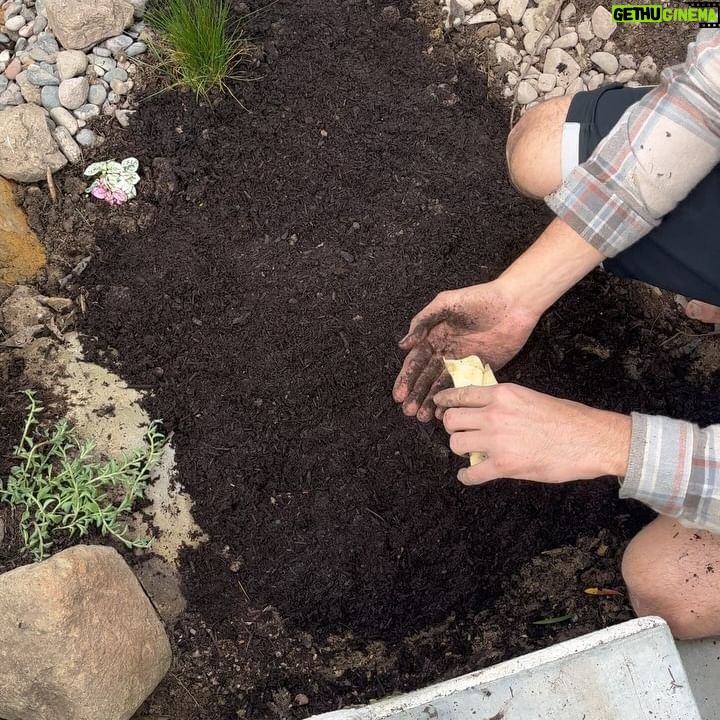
[257, 290]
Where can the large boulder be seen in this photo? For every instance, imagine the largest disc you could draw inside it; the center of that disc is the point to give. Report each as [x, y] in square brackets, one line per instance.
[79, 639]
[27, 148]
[79, 24]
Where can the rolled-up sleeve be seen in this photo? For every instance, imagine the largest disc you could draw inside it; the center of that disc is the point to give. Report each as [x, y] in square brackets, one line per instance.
[674, 468]
[662, 147]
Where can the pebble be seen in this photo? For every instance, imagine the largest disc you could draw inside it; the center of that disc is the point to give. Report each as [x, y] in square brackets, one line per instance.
[97, 94]
[605, 61]
[569, 11]
[118, 44]
[584, 31]
[26, 31]
[50, 96]
[115, 74]
[86, 138]
[5, 56]
[627, 61]
[104, 63]
[30, 92]
[575, 86]
[20, 45]
[4, 38]
[11, 95]
[562, 65]
[87, 112]
[65, 118]
[566, 41]
[13, 68]
[603, 25]
[484, 16]
[74, 92]
[15, 23]
[528, 19]
[137, 48]
[119, 87]
[595, 81]
[101, 51]
[514, 8]
[71, 63]
[546, 82]
[625, 76]
[506, 53]
[4, 82]
[12, 10]
[40, 76]
[123, 117]
[526, 93]
[647, 72]
[39, 24]
[70, 149]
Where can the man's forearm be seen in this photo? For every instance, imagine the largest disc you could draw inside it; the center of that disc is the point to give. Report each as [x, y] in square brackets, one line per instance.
[555, 262]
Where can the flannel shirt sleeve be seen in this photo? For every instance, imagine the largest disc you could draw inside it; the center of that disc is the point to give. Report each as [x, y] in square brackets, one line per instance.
[661, 147]
[674, 468]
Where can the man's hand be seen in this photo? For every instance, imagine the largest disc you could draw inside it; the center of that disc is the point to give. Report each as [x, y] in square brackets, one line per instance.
[531, 436]
[480, 320]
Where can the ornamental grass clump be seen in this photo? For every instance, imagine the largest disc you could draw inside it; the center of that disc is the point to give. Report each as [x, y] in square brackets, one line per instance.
[62, 491]
[199, 46]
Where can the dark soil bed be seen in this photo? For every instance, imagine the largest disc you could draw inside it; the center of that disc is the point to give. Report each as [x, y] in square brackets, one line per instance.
[257, 290]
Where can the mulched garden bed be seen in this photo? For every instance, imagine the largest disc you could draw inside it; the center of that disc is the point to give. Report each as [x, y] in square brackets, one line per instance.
[257, 289]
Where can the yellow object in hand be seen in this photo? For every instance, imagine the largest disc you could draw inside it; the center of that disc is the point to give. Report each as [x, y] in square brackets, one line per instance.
[470, 370]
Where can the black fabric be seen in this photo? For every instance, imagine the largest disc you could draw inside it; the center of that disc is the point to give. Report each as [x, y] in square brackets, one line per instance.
[683, 253]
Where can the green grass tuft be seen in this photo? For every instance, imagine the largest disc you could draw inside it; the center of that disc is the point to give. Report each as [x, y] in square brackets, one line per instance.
[61, 490]
[198, 45]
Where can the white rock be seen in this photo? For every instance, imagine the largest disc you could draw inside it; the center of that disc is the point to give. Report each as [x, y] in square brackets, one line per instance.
[529, 40]
[546, 82]
[566, 41]
[506, 53]
[625, 75]
[633, 83]
[466, 5]
[610, 47]
[83, 618]
[526, 93]
[575, 86]
[605, 61]
[514, 8]
[71, 63]
[647, 71]
[74, 92]
[562, 65]
[512, 78]
[79, 24]
[69, 147]
[602, 23]
[595, 81]
[528, 19]
[555, 92]
[510, 35]
[508, 92]
[484, 16]
[26, 151]
[584, 31]
[64, 118]
[627, 61]
[15, 23]
[568, 12]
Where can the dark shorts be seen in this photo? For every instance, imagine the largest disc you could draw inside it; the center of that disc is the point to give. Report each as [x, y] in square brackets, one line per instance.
[683, 253]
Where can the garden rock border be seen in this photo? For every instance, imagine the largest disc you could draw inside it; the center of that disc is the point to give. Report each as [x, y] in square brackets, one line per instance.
[80, 639]
[545, 49]
[73, 59]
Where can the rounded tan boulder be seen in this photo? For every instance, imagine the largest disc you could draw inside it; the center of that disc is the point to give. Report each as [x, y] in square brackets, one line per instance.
[79, 639]
[79, 24]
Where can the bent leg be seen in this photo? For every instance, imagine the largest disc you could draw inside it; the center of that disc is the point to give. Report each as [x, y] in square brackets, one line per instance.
[682, 254]
[674, 572]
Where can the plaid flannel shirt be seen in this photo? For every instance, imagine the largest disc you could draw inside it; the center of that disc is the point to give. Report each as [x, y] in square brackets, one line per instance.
[659, 150]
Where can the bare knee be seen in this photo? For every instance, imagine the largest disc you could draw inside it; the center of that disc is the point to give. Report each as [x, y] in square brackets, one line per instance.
[660, 583]
[533, 148]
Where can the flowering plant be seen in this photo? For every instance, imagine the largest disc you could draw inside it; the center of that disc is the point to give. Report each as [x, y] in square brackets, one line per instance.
[116, 181]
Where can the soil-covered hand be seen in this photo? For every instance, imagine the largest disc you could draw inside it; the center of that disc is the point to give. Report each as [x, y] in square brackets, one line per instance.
[479, 320]
[528, 435]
